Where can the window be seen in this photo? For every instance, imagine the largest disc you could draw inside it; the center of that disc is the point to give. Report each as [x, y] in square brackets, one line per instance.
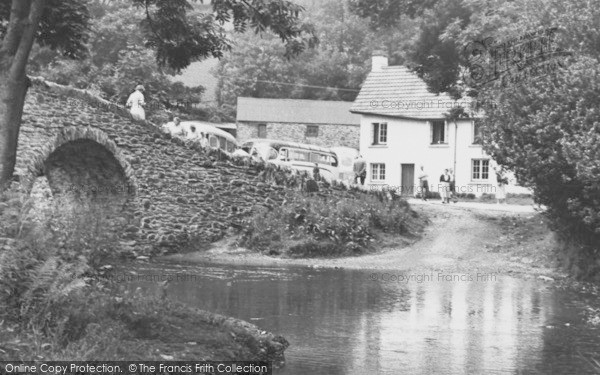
[262, 130]
[312, 131]
[272, 154]
[377, 172]
[213, 141]
[480, 169]
[379, 133]
[323, 159]
[477, 134]
[438, 132]
[299, 155]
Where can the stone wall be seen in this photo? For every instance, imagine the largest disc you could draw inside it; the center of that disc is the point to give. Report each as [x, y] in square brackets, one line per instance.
[330, 135]
[173, 193]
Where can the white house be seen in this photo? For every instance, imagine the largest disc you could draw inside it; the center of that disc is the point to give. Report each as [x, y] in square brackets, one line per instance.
[403, 128]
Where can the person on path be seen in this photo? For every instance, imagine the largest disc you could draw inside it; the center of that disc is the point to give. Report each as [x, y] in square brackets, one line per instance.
[502, 181]
[453, 194]
[360, 169]
[423, 183]
[444, 186]
[136, 103]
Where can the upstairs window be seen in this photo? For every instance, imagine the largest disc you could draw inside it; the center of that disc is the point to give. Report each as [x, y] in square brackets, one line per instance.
[379, 133]
[312, 131]
[438, 132]
[477, 132]
[262, 130]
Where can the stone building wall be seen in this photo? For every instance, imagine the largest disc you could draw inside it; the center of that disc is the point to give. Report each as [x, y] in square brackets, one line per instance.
[173, 192]
[329, 135]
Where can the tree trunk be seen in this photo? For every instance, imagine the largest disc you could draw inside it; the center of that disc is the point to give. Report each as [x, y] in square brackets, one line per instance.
[12, 99]
[14, 52]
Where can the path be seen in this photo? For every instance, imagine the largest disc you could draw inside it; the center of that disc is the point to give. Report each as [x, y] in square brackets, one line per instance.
[460, 238]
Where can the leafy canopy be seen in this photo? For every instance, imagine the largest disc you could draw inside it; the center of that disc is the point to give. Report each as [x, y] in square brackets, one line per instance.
[174, 29]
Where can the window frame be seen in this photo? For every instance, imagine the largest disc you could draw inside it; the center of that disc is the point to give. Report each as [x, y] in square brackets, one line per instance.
[480, 172]
[258, 128]
[382, 132]
[473, 133]
[310, 134]
[380, 168]
[444, 127]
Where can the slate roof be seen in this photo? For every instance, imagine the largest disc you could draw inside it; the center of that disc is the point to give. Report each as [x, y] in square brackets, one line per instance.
[396, 91]
[295, 111]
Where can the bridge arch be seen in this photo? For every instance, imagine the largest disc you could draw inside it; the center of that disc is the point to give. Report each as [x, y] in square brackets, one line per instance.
[83, 162]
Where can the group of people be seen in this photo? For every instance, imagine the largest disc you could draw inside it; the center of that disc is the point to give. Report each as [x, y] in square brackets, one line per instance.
[176, 129]
[446, 187]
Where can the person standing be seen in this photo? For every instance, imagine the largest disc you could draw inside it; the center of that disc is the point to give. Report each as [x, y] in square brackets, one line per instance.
[445, 186]
[136, 103]
[316, 173]
[423, 183]
[502, 181]
[453, 194]
[360, 169]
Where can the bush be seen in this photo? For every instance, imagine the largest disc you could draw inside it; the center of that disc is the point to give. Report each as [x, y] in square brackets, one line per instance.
[53, 247]
[332, 226]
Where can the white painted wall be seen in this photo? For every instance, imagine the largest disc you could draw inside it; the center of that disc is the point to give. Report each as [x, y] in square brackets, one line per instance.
[409, 142]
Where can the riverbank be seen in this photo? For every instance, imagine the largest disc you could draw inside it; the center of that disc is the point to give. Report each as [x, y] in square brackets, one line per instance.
[121, 328]
[61, 300]
[460, 238]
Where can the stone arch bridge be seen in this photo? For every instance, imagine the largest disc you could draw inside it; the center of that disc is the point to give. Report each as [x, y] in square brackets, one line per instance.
[171, 191]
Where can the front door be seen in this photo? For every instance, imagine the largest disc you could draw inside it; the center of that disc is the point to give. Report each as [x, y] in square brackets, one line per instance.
[408, 180]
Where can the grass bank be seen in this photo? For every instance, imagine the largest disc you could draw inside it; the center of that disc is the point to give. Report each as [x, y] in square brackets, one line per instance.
[58, 301]
[329, 226]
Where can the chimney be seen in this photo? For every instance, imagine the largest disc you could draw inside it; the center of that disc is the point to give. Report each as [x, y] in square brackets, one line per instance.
[379, 60]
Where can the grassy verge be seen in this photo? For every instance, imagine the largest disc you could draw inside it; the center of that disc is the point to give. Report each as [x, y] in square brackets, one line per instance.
[525, 238]
[328, 226]
[57, 304]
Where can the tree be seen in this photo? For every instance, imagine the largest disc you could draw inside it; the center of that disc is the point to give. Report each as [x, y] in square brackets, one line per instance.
[173, 29]
[542, 125]
[333, 71]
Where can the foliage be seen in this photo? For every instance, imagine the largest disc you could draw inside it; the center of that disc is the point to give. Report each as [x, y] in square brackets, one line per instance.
[53, 247]
[257, 67]
[63, 26]
[546, 130]
[175, 30]
[386, 14]
[327, 226]
[543, 128]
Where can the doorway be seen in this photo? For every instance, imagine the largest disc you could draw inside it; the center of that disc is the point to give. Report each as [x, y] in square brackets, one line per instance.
[408, 180]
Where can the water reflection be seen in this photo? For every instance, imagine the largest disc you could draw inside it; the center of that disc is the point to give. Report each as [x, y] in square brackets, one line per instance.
[343, 322]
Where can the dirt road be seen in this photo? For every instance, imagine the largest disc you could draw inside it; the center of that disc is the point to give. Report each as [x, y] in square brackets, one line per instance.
[479, 238]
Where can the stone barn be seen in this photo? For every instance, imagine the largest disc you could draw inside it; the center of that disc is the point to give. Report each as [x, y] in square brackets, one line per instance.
[318, 122]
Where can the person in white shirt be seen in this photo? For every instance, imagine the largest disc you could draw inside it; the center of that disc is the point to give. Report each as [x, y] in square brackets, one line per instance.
[175, 128]
[136, 103]
[203, 140]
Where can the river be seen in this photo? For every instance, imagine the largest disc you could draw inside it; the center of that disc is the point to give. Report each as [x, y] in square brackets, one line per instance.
[377, 322]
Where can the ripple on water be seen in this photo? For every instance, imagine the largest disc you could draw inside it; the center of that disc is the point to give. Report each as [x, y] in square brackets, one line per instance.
[344, 322]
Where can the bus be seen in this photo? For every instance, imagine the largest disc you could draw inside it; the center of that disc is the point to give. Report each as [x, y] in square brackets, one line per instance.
[346, 157]
[298, 156]
[214, 136]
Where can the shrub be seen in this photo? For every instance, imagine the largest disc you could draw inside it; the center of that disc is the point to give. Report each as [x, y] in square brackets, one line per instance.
[53, 247]
[325, 225]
